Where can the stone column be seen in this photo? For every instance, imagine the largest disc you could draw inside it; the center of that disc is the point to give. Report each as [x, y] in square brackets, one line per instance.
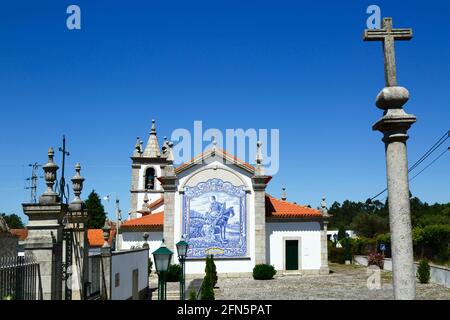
[169, 184]
[105, 268]
[259, 188]
[44, 239]
[259, 181]
[324, 268]
[394, 125]
[77, 222]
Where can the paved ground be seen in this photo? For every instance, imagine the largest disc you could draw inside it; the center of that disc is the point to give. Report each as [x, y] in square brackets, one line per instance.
[346, 282]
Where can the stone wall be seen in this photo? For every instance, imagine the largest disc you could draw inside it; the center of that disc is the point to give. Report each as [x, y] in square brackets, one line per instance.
[438, 274]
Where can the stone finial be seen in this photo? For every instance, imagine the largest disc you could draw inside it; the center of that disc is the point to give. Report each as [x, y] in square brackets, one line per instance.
[283, 194]
[138, 148]
[214, 142]
[259, 159]
[169, 152]
[145, 236]
[392, 98]
[77, 183]
[164, 146]
[323, 207]
[50, 169]
[106, 230]
[145, 208]
[152, 148]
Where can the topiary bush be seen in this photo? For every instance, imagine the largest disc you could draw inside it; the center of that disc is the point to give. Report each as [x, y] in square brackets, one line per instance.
[423, 272]
[263, 272]
[337, 255]
[207, 288]
[192, 295]
[375, 259]
[173, 273]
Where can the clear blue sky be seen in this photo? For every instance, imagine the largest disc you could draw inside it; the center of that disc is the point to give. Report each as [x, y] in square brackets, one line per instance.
[299, 67]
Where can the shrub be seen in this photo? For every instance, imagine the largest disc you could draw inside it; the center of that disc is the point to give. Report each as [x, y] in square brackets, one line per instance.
[263, 272]
[207, 289]
[192, 295]
[173, 273]
[211, 269]
[376, 259]
[423, 272]
[337, 255]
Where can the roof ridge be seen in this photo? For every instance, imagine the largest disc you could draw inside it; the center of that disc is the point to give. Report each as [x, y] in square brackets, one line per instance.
[209, 152]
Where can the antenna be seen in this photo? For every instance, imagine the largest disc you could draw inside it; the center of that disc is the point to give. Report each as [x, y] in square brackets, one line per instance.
[33, 181]
[62, 182]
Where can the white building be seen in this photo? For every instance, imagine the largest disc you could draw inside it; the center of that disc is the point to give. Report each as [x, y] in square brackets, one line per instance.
[218, 203]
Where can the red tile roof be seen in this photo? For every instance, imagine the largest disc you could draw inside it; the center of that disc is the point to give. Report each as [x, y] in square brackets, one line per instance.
[151, 221]
[276, 208]
[22, 234]
[95, 237]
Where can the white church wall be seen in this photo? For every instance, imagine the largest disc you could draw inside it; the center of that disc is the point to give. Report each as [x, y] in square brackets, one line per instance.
[307, 232]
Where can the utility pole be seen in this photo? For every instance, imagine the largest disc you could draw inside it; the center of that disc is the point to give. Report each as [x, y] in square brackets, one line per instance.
[33, 180]
[62, 182]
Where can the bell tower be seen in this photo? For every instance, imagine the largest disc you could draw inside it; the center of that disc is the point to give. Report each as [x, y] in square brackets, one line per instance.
[146, 168]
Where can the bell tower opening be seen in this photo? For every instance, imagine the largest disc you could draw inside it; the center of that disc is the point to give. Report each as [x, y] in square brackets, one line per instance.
[149, 179]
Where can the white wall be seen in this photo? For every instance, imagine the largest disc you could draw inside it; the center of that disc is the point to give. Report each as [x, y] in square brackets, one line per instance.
[124, 264]
[309, 234]
[136, 239]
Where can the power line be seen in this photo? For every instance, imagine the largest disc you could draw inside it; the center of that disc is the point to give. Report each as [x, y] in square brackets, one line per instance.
[440, 156]
[422, 159]
[432, 149]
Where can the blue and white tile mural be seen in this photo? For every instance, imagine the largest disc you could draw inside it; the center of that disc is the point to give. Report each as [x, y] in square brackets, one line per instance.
[214, 219]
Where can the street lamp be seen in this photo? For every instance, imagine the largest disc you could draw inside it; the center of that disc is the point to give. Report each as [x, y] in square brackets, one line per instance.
[162, 257]
[182, 247]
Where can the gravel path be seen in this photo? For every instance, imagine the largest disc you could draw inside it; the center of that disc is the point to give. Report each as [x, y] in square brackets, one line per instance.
[345, 283]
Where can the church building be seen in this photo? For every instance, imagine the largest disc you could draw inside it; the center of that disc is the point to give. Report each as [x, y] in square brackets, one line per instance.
[219, 205]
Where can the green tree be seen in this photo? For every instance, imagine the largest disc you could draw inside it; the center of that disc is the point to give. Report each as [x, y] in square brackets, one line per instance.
[13, 221]
[369, 225]
[96, 211]
[341, 233]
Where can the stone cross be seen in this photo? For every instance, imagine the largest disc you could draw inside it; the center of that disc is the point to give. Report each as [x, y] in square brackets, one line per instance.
[394, 125]
[388, 35]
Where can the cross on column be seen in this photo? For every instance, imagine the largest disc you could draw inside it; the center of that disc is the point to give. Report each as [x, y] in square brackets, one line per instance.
[62, 184]
[388, 35]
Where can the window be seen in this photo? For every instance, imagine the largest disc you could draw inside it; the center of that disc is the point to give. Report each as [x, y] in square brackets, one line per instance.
[149, 182]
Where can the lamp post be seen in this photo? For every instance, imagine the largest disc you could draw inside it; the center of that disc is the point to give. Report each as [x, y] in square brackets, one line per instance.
[182, 247]
[162, 257]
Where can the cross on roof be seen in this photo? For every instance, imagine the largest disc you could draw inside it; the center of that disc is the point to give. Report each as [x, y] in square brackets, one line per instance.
[388, 35]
